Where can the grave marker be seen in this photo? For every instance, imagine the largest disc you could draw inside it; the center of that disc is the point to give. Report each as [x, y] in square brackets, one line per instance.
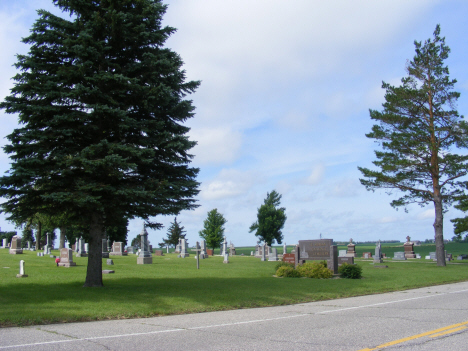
[321, 249]
[21, 271]
[66, 258]
[145, 256]
[15, 248]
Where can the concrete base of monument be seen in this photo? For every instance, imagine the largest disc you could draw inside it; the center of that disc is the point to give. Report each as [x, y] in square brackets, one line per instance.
[69, 264]
[410, 255]
[16, 251]
[144, 260]
[183, 255]
[107, 271]
[21, 275]
[118, 253]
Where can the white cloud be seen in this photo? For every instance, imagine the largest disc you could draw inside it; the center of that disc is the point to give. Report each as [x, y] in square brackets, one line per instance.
[228, 184]
[344, 188]
[317, 174]
[216, 145]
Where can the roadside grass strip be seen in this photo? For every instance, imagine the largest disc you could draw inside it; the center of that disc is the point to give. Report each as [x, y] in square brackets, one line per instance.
[432, 334]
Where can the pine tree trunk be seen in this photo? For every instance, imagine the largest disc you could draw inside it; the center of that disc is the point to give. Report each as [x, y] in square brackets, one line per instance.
[62, 237]
[439, 230]
[96, 234]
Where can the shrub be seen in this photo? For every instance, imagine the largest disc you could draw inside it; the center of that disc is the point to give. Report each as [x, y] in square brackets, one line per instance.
[350, 271]
[317, 270]
[287, 271]
[283, 264]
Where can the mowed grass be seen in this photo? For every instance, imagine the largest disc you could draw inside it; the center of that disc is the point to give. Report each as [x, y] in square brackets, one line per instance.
[172, 285]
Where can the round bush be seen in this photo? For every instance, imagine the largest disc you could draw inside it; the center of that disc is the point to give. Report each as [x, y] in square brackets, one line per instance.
[283, 264]
[350, 271]
[287, 272]
[317, 270]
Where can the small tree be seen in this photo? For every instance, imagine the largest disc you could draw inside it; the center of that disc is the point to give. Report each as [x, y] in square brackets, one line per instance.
[419, 130]
[270, 220]
[213, 229]
[174, 233]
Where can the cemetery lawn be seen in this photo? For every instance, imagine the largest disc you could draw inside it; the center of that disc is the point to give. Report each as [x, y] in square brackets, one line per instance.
[172, 285]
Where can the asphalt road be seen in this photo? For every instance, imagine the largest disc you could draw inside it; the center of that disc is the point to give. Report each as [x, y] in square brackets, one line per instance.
[433, 318]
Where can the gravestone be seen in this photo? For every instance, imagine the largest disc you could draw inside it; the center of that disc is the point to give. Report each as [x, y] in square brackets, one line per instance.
[178, 247]
[76, 247]
[66, 258]
[118, 249]
[285, 249]
[81, 248]
[158, 253]
[21, 271]
[378, 253]
[110, 262]
[226, 258]
[130, 250]
[224, 247]
[351, 249]
[264, 252]
[318, 250]
[273, 256]
[29, 244]
[462, 257]
[289, 257]
[367, 255]
[167, 248]
[203, 249]
[399, 256]
[408, 246]
[183, 249]
[4, 243]
[15, 247]
[345, 259]
[145, 256]
[232, 250]
[433, 256]
[105, 253]
[418, 255]
[342, 253]
[209, 252]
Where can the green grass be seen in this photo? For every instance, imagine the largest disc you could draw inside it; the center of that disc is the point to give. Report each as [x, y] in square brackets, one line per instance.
[173, 285]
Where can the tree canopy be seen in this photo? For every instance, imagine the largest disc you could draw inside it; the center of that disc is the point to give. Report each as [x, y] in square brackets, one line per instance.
[419, 132]
[213, 229]
[101, 103]
[270, 220]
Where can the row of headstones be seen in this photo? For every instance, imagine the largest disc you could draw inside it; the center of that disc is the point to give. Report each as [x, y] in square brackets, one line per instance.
[262, 251]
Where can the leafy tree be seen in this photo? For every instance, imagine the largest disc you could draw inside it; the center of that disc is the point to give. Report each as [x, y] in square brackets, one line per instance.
[101, 104]
[174, 233]
[213, 229]
[418, 131]
[118, 230]
[460, 225]
[270, 220]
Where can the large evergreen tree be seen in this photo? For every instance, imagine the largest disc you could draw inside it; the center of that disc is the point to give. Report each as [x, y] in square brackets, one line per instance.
[213, 229]
[101, 105]
[270, 220]
[419, 130]
[174, 233]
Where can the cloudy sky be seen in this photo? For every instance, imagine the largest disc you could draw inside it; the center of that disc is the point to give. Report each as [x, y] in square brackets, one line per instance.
[284, 104]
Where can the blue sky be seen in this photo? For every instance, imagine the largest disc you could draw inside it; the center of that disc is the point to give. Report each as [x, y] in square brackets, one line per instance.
[284, 104]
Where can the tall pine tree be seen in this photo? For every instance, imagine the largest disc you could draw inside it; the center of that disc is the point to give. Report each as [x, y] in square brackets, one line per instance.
[174, 233]
[419, 131]
[101, 105]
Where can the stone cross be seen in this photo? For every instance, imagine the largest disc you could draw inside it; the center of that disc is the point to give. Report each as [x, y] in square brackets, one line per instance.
[351, 240]
[285, 249]
[197, 249]
[264, 252]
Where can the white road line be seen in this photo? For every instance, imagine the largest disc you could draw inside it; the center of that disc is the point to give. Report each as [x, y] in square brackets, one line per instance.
[228, 324]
